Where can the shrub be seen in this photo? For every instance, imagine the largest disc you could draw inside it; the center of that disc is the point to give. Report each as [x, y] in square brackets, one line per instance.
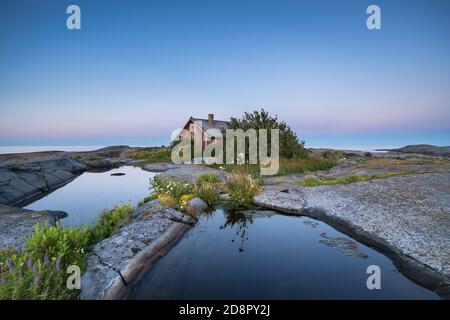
[171, 193]
[242, 188]
[333, 154]
[51, 243]
[290, 146]
[110, 221]
[39, 272]
[23, 277]
[207, 178]
[208, 192]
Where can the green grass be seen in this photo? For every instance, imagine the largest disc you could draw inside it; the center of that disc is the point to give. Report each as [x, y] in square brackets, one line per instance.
[207, 188]
[162, 154]
[311, 182]
[241, 187]
[287, 166]
[290, 166]
[39, 272]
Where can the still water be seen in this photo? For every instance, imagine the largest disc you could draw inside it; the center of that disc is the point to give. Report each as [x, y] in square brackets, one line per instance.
[265, 255]
[256, 254]
[85, 197]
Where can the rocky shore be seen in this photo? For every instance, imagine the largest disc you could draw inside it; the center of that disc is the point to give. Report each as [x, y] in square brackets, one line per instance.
[28, 175]
[404, 216]
[118, 262]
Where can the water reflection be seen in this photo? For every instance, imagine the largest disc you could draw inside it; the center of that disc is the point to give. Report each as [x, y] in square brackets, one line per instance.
[259, 254]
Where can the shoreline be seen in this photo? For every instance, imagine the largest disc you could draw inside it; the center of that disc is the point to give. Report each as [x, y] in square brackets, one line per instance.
[282, 195]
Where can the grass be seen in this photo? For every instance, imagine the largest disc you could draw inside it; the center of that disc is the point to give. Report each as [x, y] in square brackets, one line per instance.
[290, 166]
[241, 187]
[287, 166]
[206, 188]
[39, 272]
[160, 154]
[311, 182]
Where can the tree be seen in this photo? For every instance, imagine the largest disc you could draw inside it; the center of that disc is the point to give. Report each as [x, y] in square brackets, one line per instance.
[290, 146]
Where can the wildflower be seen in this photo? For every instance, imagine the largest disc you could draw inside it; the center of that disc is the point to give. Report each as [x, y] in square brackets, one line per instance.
[58, 264]
[37, 279]
[3, 279]
[30, 263]
[46, 258]
[10, 265]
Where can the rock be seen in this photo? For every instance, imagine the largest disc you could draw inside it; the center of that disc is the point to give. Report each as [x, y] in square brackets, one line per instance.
[159, 167]
[16, 224]
[183, 173]
[424, 149]
[123, 258]
[195, 207]
[117, 174]
[22, 180]
[107, 163]
[406, 216]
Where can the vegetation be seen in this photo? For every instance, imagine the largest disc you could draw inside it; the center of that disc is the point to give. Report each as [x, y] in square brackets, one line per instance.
[242, 187]
[311, 182]
[206, 188]
[39, 272]
[287, 166]
[290, 146]
[171, 193]
[159, 154]
[295, 165]
[110, 221]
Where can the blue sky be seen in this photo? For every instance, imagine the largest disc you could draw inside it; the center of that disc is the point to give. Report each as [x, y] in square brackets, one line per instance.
[138, 69]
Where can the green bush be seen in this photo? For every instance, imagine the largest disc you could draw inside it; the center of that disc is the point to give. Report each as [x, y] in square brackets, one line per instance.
[39, 272]
[110, 221]
[207, 178]
[290, 146]
[171, 193]
[242, 188]
[333, 154]
[206, 188]
[66, 244]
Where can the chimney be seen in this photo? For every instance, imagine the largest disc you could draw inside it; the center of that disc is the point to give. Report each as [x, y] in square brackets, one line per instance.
[210, 118]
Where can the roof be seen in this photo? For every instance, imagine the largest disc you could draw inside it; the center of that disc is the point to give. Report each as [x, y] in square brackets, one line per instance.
[217, 124]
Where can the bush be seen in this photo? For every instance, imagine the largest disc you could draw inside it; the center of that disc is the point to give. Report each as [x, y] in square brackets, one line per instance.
[207, 191]
[171, 193]
[333, 155]
[23, 277]
[66, 244]
[242, 187]
[39, 272]
[207, 178]
[110, 221]
[290, 146]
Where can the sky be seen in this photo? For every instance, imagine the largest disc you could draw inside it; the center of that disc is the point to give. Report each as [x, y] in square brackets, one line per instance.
[138, 69]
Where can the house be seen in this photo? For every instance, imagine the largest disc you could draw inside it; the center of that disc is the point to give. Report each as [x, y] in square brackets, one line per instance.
[198, 126]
